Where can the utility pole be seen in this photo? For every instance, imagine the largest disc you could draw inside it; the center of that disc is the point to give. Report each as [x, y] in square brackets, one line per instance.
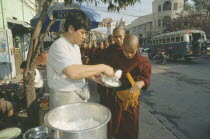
[23, 9]
[2, 12]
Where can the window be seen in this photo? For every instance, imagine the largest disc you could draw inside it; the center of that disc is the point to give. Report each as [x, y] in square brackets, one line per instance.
[156, 41]
[175, 6]
[163, 40]
[159, 8]
[153, 41]
[202, 36]
[167, 6]
[168, 40]
[173, 39]
[177, 39]
[182, 38]
[160, 41]
[159, 23]
[190, 38]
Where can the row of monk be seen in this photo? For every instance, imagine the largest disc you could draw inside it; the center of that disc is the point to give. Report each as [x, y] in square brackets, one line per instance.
[121, 52]
[92, 51]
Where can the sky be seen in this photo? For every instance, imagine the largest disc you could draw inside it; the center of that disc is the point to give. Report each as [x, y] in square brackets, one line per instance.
[131, 12]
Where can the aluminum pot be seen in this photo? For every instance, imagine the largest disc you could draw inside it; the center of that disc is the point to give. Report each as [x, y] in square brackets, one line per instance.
[40, 132]
[77, 111]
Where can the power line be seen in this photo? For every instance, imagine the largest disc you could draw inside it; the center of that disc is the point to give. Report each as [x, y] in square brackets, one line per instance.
[120, 13]
[105, 8]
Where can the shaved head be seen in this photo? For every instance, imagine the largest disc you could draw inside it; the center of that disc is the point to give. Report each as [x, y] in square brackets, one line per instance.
[110, 39]
[130, 46]
[119, 30]
[118, 35]
[131, 40]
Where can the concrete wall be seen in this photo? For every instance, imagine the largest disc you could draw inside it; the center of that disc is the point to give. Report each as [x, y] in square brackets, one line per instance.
[141, 25]
[149, 23]
[160, 14]
[22, 10]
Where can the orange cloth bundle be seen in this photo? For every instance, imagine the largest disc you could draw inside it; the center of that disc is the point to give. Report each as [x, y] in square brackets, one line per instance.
[128, 99]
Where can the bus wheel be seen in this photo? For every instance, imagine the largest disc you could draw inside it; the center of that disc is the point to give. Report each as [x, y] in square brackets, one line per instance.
[150, 55]
[172, 57]
[187, 59]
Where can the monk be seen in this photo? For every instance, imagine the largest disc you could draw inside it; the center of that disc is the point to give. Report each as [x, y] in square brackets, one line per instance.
[124, 100]
[106, 44]
[108, 99]
[118, 36]
[110, 40]
[84, 53]
[98, 53]
[92, 51]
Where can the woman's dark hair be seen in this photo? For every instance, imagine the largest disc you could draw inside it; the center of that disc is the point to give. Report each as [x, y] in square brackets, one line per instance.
[78, 20]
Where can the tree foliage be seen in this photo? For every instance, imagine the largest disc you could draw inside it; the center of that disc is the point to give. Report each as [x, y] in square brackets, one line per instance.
[188, 7]
[114, 5]
[202, 5]
[193, 20]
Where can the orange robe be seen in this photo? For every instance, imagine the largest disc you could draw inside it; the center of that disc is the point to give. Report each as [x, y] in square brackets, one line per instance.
[125, 123]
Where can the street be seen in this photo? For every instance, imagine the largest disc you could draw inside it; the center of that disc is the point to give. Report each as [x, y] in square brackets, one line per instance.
[179, 97]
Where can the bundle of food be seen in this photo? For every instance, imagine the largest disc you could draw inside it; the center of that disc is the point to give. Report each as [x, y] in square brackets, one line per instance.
[112, 81]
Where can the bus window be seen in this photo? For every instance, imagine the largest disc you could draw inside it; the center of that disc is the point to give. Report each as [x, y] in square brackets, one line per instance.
[182, 38]
[173, 39]
[177, 39]
[160, 41]
[156, 41]
[190, 38]
[202, 37]
[163, 40]
[168, 40]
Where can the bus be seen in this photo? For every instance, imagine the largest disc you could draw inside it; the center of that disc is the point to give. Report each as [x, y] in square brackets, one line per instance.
[184, 43]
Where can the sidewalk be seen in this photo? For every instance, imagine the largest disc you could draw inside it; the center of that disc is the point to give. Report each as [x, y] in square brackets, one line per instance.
[150, 127]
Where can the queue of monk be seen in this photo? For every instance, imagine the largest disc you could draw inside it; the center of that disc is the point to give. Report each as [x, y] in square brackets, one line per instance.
[91, 52]
[120, 51]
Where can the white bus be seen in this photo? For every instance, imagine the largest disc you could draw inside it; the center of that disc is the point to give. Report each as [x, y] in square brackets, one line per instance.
[185, 43]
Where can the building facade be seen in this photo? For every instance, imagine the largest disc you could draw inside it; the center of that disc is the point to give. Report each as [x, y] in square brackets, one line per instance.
[16, 11]
[163, 11]
[15, 16]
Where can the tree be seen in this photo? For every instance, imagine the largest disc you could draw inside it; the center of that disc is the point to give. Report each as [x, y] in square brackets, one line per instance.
[202, 5]
[37, 40]
[193, 20]
[188, 7]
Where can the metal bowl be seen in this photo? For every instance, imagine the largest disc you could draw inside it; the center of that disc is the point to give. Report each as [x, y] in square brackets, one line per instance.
[40, 132]
[74, 112]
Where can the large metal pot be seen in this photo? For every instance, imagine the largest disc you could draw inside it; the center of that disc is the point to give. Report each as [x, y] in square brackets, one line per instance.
[77, 111]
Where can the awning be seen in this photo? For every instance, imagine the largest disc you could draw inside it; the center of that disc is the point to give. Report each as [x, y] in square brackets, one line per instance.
[18, 27]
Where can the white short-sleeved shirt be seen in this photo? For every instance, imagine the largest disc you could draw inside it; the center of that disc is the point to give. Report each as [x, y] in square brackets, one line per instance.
[38, 79]
[62, 54]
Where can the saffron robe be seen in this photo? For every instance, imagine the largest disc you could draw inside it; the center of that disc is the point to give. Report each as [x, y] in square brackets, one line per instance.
[91, 56]
[125, 123]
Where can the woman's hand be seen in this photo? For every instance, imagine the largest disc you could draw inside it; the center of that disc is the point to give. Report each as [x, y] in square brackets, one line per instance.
[137, 86]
